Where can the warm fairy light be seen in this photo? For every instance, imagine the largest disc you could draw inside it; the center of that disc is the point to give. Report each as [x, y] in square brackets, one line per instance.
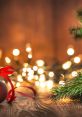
[19, 78]
[40, 71]
[77, 59]
[36, 77]
[28, 48]
[13, 82]
[30, 78]
[16, 52]
[28, 69]
[35, 68]
[70, 51]
[7, 60]
[25, 65]
[67, 65]
[61, 82]
[42, 84]
[31, 72]
[23, 74]
[42, 78]
[74, 73]
[37, 83]
[49, 84]
[30, 56]
[40, 63]
[24, 69]
[51, 74]
[18, 84]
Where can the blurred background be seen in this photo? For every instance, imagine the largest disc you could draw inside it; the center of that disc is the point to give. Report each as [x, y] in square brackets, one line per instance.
[50, 28]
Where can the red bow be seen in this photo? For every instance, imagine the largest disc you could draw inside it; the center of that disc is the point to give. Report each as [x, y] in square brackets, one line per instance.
[4, 72]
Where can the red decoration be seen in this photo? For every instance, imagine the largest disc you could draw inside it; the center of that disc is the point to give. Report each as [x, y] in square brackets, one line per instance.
[4, 72]
[3, 92]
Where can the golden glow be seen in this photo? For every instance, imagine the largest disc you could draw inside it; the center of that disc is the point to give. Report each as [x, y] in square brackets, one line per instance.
[40, 63]
[70, 51]
[61, 82]
[24, 69]
[74, 74]
[42, 78]
[16, 52]
[7, 60]
[67, 65]
[35, 68]
[25, 65]
[77, 59]
[42, 84]
[18, 84]
[37, 83]
[30, 56]
[30, 78]
[40, 71]
[19, 78]
[23, 74]
[49, 84]
[51, 74]
[28, 48]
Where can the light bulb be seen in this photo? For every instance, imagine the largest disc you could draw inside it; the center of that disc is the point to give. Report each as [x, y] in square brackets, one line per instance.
[70, 51]
[40, 63]
[7, 60]
[77, 60]
[67, 65]
[16, 52]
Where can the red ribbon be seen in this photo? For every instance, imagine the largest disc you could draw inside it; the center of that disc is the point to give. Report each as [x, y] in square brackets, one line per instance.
[4, 72]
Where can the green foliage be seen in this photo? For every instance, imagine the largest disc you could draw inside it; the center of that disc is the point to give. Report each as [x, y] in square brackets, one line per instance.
[72, 88]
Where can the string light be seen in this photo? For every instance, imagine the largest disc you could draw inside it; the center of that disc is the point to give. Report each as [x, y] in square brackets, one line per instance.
[49, 84]
[74, 73]
[40, 71]
[28, 48]
[30, 56]
[35, 68]
[42, 78]
[16, 52]
[40, 63]
[19, 78]
[51, 74]
[67, 65]
[70, 51]
[62, 83]
[18, 84]
[77, 60]
[7, 60]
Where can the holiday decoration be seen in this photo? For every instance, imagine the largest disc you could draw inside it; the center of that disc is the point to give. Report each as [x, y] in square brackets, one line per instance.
[3, 92]
[4, 72]
[72, 89]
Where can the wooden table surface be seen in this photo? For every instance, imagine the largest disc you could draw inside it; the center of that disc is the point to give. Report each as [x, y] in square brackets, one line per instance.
[26, 107]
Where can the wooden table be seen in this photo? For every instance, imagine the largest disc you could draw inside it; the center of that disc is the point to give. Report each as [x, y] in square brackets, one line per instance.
[26, 107]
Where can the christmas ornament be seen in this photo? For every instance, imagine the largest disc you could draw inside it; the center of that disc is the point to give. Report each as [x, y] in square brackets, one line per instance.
[5, 72]
[3, 91]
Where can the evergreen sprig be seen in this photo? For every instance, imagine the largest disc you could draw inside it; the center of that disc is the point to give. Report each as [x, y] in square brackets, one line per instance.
[72, 88]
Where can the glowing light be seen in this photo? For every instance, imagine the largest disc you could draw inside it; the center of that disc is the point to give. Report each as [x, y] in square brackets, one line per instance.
[7, 60]
[42, 78]
[19, 78]
[74, 74]
[18, 84]
[70, 51]
[35, 68]
[67, 65]
[16, 52]
[62, 83]
[51, 74]
[28, 48]
[37, 83]
[24, 69]
[40, 63]
[77, 60]
[25, 65]
[23, 74]
[28, 69]
[36, 77]
[30, 56]
[49, 84]
[31, 72]
[42, 84]
[30, 78]
[40, 71]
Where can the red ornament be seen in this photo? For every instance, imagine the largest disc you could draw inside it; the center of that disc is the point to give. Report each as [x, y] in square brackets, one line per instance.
[3, 91]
